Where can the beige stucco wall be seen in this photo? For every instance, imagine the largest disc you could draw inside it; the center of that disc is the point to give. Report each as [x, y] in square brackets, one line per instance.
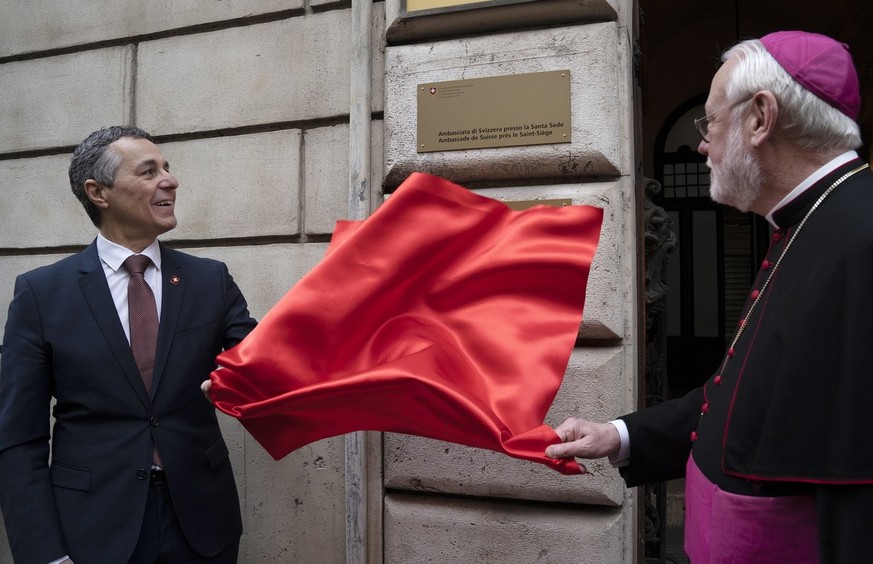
[250, 99]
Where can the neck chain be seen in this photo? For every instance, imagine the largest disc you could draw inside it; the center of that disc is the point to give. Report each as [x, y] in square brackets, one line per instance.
[744, 322]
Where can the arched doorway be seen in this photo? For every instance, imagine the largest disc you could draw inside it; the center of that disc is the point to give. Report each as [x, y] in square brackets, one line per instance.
[710, 271]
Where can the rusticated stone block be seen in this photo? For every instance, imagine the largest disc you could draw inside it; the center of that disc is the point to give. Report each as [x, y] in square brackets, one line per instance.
[58, 101]
[591, 53]
[420, 528]
[248, 76]
[593, 388]
[38, 209]
[39, 25]
[431, 24]
[236, 186]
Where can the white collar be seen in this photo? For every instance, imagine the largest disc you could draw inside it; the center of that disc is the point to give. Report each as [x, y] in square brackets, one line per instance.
[810, 180]
[114, 254]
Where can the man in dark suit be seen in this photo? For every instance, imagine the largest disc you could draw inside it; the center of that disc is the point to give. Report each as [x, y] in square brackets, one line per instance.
[135, 468]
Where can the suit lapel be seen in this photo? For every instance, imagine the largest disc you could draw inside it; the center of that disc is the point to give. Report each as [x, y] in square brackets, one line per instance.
[92, 281]
[173, 289]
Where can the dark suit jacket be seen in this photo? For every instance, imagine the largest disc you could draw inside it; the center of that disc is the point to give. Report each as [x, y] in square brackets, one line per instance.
[64, 340]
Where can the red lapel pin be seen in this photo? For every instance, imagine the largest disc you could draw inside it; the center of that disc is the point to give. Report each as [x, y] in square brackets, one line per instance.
[174, 280]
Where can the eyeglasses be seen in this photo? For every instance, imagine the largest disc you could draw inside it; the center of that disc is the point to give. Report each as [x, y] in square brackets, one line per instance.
[702, 123]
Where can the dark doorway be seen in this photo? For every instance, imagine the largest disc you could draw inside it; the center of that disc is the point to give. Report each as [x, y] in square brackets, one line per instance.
[714, 264]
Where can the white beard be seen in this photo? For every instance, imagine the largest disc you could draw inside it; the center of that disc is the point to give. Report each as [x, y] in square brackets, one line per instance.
[736, 181]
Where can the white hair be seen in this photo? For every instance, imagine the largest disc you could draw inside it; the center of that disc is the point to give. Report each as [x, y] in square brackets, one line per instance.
[810, 122]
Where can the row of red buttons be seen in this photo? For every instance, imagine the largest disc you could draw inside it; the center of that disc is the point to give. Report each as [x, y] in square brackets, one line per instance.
[730, 352]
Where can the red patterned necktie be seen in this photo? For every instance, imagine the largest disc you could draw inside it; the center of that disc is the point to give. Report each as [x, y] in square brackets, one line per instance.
[143, 318]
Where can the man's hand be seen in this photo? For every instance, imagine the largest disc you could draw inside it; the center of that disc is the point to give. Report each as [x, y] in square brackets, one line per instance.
[585, 439]
[206, 386]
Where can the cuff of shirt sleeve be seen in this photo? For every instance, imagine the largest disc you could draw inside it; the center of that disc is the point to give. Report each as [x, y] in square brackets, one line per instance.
[622, 458]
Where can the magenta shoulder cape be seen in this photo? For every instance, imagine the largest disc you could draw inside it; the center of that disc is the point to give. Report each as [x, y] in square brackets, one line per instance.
[444, 314]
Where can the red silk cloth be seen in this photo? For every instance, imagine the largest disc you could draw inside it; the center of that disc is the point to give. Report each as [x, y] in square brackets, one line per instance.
[444, 314]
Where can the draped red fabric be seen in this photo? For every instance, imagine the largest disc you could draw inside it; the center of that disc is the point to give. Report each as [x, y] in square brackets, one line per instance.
[444, 314]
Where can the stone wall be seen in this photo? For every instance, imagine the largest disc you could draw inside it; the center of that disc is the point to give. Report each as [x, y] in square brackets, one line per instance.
[449, 503]
[250, 102]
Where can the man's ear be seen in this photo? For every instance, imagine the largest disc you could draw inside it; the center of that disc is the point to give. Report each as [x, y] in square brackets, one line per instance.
[96, 192]
[765, 111]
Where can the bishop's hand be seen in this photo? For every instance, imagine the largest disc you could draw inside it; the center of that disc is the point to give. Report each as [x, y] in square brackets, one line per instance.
[585, 439]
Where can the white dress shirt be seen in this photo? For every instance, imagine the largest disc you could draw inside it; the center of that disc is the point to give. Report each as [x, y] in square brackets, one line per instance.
[112, 256]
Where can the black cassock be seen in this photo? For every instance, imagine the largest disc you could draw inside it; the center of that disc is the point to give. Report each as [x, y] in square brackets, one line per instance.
[790, 410]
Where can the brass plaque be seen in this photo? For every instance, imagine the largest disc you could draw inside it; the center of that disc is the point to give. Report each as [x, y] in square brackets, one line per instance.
[499, 111]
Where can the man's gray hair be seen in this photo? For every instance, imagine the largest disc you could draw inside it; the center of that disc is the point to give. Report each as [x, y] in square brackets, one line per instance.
[808, 120]
[93, 159]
